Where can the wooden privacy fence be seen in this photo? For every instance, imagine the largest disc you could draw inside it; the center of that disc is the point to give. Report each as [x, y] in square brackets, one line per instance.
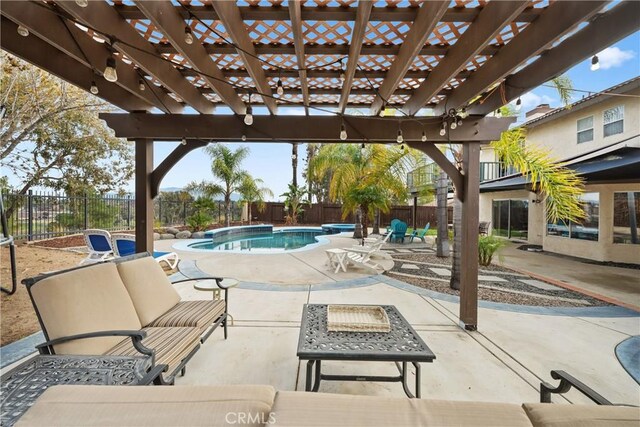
[324, 213]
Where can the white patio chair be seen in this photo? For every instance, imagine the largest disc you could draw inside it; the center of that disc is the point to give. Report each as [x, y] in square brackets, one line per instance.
[125, 244]
[99, 244]
[361, 256]
[376, 245]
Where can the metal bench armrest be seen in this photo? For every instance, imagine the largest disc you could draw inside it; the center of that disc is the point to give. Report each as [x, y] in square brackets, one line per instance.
[136, 338]
[566, 382]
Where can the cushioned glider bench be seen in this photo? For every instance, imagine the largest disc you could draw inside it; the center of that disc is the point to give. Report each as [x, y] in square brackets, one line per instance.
[248, 405]
[125, 307]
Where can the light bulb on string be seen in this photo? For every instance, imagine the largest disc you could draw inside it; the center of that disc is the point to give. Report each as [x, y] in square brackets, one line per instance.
[498, 113]
[94, 88]
[141, 85]
[184, 141]
[188, 35]
[423, 138]
[383, 110]
[518, 104]
[458, 121]
[110, 74]
[343, 132]
[244, 137]
[443, 128]
[464, 113]
[23, 31]
[453, 124]
[248, 116]
[342, 75]
[279, 88]
[402, 147]
[82, 3]
[399, 138]
[595, 63]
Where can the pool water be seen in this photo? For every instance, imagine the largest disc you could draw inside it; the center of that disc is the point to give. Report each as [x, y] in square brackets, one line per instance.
[276, 241]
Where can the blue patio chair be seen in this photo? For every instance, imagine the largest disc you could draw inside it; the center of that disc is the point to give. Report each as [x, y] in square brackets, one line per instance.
[393, 222]
[420, 234]
[125, 244]
[99, 244]
[398, 231]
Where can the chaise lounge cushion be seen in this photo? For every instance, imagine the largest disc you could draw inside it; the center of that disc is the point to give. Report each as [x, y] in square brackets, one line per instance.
[88, 299]
[546, 415]
[150, 289]
[172, 345]
[318, 409]
[85, 405]
[197, 314]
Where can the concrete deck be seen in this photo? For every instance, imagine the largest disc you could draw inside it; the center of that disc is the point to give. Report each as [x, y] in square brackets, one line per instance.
[505, 360]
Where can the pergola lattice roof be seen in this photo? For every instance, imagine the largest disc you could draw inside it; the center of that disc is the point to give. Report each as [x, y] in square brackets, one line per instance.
[408, 54]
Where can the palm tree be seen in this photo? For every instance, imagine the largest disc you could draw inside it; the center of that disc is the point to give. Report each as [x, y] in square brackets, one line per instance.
[295, 198]
[251, 191]
[364, 179]
[225, 166]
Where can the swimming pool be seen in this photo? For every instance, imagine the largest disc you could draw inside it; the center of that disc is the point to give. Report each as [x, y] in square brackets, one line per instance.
[259, 239]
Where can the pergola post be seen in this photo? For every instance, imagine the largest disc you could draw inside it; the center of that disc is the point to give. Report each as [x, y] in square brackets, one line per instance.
[469, 248]
[144, 200]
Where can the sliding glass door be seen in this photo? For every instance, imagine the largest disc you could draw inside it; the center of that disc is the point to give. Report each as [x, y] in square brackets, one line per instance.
[511, 218]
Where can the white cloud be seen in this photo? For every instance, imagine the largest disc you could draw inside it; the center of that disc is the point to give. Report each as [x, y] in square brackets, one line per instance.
[613, 57]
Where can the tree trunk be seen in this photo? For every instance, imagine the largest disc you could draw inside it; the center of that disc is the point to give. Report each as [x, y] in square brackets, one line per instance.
[227, 210]
[365, 221]
[249, 211]
[376, 222]
[294, 163]
[457, 244]
[442, 249]
[357, 232]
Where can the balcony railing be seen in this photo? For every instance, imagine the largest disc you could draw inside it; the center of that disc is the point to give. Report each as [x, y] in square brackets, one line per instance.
[427, 175]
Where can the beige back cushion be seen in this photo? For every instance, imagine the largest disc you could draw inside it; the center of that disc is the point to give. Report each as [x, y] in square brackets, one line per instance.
[550, 415]
[150, 289]
[86, 300]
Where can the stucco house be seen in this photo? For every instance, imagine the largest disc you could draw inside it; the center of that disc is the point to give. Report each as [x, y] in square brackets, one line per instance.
[599, 137]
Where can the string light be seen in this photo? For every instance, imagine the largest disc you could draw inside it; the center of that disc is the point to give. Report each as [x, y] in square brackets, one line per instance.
[518, 104]
[464, 113]
[23, 31]
[498, 113]
[184, 141]
[595, 63]
[458, 121]
[248, 115]
[443, 128]
[343, 132]
[383, 110]
[423, 138]
[342, 75]
[279, 87]
[82, 3]
[399, 138]
[110, 73]
[141, 84]
[244, 137]
[402, 147]
[188, 35]
[94, 88]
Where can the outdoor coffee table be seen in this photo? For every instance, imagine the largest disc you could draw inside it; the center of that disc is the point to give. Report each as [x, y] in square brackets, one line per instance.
[402, 345]
[24, 384]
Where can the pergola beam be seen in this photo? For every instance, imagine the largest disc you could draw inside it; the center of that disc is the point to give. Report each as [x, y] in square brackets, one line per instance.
[297, 128]
[328, 13]
[105, 19]
[336, 49]
[427, 18]
[43, 55]
[332, 91]
[170, 161]
[605, 30]
[493, 17]
[75, 43]
[230, 16]
[558, 19]
[165, 16]
[357, 36]
[298, 40]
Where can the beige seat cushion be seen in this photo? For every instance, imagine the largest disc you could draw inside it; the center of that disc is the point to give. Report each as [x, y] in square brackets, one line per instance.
[172, 345]
[197, 314]
[150, 289]
[86, 405]
[319, 409]
[550, 415]
[85, 300]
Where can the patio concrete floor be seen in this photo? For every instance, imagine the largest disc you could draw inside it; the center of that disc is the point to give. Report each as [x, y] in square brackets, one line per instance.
[505, 360]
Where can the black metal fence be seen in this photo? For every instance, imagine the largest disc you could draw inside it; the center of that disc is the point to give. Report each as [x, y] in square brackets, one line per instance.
[42, 215]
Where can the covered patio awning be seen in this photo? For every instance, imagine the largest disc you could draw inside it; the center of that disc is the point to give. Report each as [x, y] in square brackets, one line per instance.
[431, 61]
[620, 166]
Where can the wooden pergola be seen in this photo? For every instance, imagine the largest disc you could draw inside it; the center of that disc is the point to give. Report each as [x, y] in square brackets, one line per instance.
[179, 61]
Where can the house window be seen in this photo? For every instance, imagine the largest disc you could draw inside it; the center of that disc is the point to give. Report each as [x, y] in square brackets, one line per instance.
[626, 214]
[613, 120]
[510, 218]
[585, 129]
[587, 229]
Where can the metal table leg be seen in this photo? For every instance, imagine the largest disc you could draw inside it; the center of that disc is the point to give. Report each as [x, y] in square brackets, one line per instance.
[307, 386]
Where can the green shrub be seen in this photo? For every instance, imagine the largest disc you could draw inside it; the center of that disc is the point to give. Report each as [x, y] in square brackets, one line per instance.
[487, 247]
[199, 221]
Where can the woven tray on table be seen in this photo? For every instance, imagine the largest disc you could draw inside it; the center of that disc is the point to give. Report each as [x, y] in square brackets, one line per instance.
[357, 318]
